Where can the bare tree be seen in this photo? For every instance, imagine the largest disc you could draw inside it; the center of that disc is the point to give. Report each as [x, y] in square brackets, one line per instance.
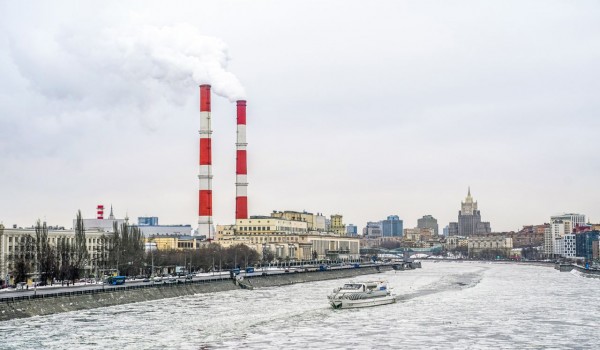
[45, 261]
[80, 253]
[23, 256]
[126, 250]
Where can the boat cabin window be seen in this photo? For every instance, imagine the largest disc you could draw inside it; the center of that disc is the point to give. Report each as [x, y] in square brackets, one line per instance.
[352, 286]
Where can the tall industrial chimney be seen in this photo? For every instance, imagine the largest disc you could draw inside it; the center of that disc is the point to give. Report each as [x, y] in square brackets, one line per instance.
[241, 171]
[100, 212]
[205, 172]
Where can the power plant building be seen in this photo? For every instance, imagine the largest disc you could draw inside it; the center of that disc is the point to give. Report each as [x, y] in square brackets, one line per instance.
[100, 223]
[315, 222]
[288, 239]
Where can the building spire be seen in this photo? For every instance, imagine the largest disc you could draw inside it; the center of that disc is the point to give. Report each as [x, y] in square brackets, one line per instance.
[111, 216]
[469, 193]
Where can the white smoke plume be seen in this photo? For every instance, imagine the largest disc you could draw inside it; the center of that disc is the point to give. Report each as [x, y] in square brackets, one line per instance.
[174, 53]
[124, 66]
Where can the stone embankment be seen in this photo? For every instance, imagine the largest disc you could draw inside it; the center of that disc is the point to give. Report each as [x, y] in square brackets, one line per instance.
[72, 301]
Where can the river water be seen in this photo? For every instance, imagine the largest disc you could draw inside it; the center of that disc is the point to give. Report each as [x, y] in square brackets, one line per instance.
[441, 306]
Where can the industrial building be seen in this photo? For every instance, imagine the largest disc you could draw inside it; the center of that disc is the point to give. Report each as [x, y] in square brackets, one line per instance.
[288, 239]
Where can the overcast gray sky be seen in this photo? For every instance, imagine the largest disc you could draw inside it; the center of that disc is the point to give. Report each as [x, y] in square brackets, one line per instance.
[362, 108]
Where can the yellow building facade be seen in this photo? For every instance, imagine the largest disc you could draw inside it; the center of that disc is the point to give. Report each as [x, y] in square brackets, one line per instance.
[168, 242]
[314, 222]
[337, 225]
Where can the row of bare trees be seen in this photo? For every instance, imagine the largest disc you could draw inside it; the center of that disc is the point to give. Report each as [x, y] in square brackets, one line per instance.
[33, 255]
[68, 258]
[212, 257]
[126, 250]
[122, 251]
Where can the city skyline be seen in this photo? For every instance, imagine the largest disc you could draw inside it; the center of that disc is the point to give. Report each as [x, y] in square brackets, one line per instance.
[388, 110]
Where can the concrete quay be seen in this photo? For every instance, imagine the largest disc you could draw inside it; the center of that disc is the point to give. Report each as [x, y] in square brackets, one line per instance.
[51, 303]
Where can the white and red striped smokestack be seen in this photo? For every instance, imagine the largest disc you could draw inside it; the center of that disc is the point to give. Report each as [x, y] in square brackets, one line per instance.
[100, 212]
[205, 172]
[241, 171]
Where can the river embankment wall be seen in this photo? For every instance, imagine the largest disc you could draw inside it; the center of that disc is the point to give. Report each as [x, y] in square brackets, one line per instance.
[47, 304]
[587, 272]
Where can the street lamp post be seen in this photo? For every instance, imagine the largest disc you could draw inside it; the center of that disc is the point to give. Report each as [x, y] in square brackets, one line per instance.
[152, 257]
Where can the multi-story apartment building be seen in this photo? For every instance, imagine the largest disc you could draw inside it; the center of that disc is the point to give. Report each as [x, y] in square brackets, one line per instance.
[418, 234]
[453, 242]
[560, 225]
[575, 219]
[373, 230]
[337, 225]
[585, 242]
[446, 231]
[529, 236]
[428, 221]
[392, 226]
[567, 246]
[351, 230]
[453, 229]
[412, 234]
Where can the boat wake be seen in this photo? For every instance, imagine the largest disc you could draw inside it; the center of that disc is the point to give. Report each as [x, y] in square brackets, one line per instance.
[583, 275]
[446, 283]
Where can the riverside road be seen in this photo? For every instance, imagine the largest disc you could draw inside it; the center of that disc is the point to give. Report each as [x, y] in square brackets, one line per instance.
[205, 277]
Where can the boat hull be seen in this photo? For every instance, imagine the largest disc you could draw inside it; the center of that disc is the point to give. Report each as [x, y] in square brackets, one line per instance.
[353, 304]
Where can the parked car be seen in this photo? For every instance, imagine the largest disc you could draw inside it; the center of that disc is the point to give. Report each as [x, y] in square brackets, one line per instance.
[324, 267]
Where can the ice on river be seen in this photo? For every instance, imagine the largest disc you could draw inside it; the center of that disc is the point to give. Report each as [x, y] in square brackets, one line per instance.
[441, 306]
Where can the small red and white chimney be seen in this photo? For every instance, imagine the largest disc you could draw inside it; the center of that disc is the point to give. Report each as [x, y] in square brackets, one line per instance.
[205, 171]
[100, 212]
[241, 171]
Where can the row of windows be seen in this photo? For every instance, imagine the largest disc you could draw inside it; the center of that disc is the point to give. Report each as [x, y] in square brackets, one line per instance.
[273, 239]
[276, 228]
[52, 239]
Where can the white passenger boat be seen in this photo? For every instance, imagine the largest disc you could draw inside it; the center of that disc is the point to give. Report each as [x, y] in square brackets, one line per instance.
[361, 294]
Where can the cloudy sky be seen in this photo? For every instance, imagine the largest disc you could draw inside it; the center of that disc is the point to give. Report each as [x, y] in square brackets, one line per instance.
[365, 109]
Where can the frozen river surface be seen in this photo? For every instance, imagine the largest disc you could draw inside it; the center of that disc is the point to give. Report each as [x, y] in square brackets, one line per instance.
[441, 306]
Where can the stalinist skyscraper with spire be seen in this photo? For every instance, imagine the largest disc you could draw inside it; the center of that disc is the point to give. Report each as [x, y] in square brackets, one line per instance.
[469, 219]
